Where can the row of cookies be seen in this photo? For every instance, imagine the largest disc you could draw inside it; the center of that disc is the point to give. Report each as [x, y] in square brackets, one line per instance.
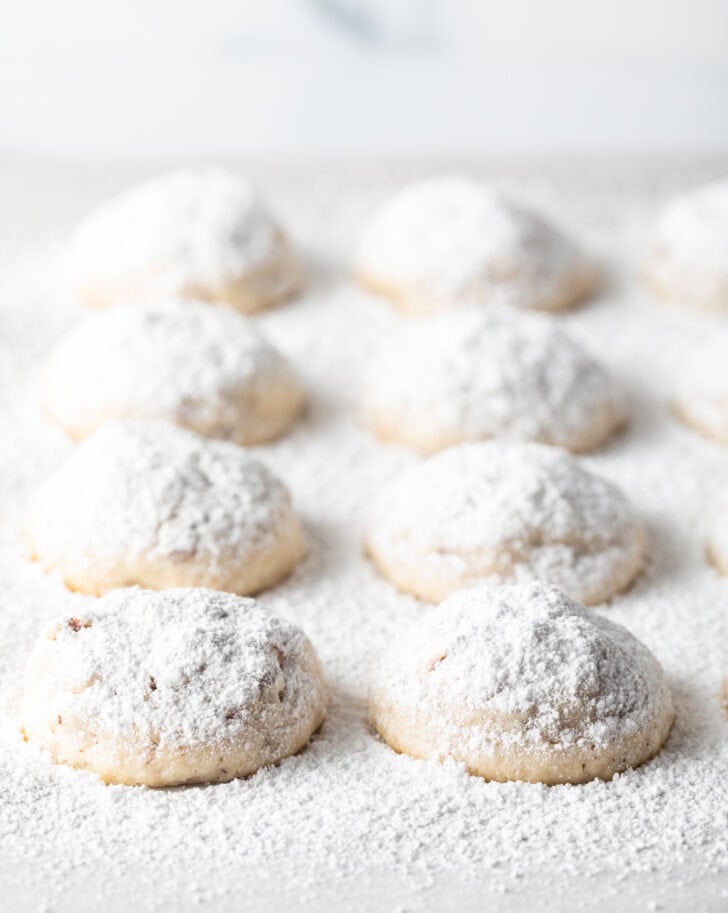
[194, 686]
[148, 509]
[149, 504]
[435, 246]
[467, 377]
[191, 684]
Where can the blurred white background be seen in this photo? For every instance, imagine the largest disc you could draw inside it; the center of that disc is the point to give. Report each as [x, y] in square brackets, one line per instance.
[177, 78]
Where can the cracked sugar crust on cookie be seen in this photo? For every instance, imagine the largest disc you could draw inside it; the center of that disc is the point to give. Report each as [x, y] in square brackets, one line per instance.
[701, 397]
[155, 505]
[200, 233]
[688, 262]
[499, 512]
[197, 365]
[520, 682]
[448, 242]
[473, 376]
[186, 685]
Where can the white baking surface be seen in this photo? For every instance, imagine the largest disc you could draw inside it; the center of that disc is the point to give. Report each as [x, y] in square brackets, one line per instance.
[347, 824]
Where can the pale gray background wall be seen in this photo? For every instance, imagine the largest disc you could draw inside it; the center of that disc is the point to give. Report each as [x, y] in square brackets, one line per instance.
[218, 77]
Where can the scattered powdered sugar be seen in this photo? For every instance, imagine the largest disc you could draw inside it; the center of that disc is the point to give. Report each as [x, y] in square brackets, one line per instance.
[184, 229]
[193, 363]
[182, 668]
[505, 512]
[473, 376]
[690, 247]
[464, 242]
[348, 820]
[525, 653]
[138, 491]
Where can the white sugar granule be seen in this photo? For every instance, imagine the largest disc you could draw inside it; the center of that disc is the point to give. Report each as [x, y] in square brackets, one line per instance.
[348, 808]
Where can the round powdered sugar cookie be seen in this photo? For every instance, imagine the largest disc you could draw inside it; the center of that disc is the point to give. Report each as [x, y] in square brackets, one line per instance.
[449, 242]
[689, 258]
[521, 683]
[718, 537]
[195, 234]
[193, 364]
[499, 512]
[159, 689]
[154, 505]
[473, 376]
[701, 397]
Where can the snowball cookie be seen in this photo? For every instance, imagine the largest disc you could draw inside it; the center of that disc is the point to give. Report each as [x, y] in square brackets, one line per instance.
[701, 398]
[196, 234]
[192, 364]
[689, 258]
[448, 242]
[183, 686]
[718, 539]
[474, 375]
[521, 683]
[500, 512]
[151, 504]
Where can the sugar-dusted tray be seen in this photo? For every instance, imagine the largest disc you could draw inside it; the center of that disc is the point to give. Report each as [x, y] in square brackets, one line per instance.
[348, 824]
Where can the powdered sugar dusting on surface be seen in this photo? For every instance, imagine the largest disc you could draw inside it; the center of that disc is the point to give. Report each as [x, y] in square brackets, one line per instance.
[473, 376]
[348, 811]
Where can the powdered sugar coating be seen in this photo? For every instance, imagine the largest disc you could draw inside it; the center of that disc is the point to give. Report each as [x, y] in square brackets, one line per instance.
[151, 504]
[522, 683]
[199, 366]
[202, 233]
[448, 242]
[474, 376]
[701, 397]
[498, 512]
[689, 257]
[351, 816]
[186, 685]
